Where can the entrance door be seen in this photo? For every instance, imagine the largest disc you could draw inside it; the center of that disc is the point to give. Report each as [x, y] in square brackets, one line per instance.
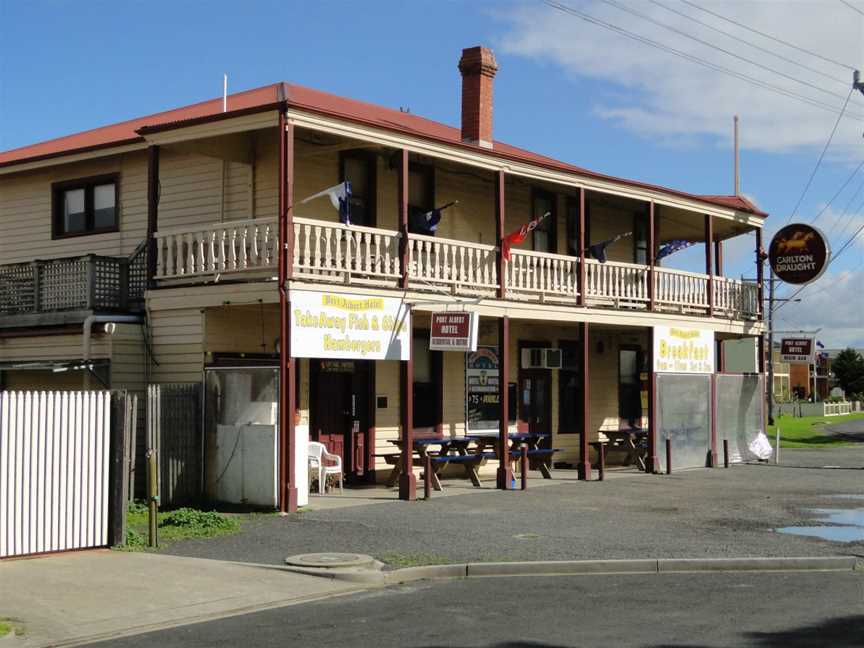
[340, 412]
[535, 401]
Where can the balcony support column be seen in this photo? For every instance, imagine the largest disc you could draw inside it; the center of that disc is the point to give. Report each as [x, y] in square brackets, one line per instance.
[407, 480]
[152, 211]
[718, 258]
[287, 364]
[505, 474]
[500, 215]
[584, 461]
[653, 464]
[652, 255]
[760, 277]
[581, 284]
[403, 217]
[709, 261]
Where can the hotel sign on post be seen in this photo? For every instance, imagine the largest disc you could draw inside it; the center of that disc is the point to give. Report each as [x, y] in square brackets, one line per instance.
[796, 350]
[799, 253]
[349, 327]
[683, 350]
[453, 332]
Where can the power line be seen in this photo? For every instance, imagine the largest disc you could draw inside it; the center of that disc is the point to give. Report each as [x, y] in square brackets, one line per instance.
[821, 155]
[843, 82]
[680, 32]
[700, 61]
[769, 36]
[845, 211]
[852, 7]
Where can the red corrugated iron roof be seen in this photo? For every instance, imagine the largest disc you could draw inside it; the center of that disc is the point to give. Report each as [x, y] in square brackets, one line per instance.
[269, 97]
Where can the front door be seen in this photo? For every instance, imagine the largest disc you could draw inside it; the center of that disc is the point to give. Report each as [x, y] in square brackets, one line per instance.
[535, 400]
[340, 412]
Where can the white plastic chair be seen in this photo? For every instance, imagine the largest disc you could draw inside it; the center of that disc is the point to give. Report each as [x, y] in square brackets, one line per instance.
[319, 459]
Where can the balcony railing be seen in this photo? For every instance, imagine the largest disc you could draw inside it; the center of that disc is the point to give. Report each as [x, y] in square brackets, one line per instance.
[332, 252]
[86, 283]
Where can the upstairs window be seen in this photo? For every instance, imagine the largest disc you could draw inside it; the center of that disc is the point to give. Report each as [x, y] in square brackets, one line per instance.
[87, 206]
[358, 167]
[421, 196]
[544, 233]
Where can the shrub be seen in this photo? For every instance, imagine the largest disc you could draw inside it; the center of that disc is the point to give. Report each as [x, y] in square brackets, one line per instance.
[205, 521]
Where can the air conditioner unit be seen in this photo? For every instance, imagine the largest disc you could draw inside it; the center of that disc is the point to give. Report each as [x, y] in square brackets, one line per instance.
[540, 358]
[554, 358]
[533, 358]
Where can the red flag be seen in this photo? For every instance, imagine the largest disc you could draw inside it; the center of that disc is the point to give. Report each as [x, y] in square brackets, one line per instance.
[517, 236]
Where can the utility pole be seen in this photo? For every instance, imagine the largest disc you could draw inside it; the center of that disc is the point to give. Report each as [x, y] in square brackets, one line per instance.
[737, 169]
[771, 281]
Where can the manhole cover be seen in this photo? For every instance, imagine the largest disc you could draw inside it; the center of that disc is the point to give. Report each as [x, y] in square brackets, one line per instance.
[330, 560]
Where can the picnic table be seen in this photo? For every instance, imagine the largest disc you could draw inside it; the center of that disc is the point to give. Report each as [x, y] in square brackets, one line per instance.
[539, 457]
[450, 450]
[634, 440]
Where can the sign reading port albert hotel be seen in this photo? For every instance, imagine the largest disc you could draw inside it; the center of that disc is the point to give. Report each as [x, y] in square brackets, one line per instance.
[799, 253]
[348, 327]
[796, 350]
[453, 332]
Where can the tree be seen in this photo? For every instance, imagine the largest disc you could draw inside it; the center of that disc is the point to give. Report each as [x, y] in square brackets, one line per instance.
[848, 368]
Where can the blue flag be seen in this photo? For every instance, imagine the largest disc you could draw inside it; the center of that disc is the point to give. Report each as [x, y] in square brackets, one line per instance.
[672, 247]
[340, 198]
[598, 250]
[427, 222]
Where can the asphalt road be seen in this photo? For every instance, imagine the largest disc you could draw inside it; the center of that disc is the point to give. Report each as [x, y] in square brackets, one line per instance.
[852, 430]
[691, 514]
[788, 610]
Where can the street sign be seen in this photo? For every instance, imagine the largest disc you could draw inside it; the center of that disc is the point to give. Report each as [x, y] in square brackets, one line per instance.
[799, 253]
[453, 332]
[796, 350]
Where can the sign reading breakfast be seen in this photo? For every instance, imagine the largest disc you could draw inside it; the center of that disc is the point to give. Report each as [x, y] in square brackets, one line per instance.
[799, 253]
[350, 327]
[683, 350]
[796, 350]
[453, 332]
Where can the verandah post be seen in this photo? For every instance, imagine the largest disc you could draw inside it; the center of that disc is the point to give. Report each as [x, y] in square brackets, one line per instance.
[407, 480]
[584, 461]
[505, 472]
[581, 277]
[152, 212]
[709, 261]
[652, 255]
[653, 465]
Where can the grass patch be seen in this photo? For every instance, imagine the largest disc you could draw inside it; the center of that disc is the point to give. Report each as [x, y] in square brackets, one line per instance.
[10, 626]
[180, 524]
[806, 432]
[413, 559]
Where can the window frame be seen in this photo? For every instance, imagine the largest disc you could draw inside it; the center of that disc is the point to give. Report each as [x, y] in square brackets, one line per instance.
[640, 363]
[87, 184]
[552, 231]
[428, 172]
[566, 426]
[641, 219]
[371, 160]
[572, 205]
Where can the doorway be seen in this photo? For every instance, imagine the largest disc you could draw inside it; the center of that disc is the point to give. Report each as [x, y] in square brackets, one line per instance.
[341, 393]
[535, 394]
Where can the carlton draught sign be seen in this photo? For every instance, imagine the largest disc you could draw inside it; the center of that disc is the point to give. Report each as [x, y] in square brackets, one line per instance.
[799, 253]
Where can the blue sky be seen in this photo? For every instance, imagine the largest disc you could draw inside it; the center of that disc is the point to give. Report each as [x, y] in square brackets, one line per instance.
[565, 88]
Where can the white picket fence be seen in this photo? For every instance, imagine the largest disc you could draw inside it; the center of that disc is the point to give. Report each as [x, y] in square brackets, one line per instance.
[54, 469]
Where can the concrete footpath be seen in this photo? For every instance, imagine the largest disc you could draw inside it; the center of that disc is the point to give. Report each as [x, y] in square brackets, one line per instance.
[73, 598]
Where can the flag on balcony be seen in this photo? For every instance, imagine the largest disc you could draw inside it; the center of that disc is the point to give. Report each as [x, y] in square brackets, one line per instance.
[819, 344]
[598, 250]
[517, 236]
[672, 247]
[340, 197]
[427, 222]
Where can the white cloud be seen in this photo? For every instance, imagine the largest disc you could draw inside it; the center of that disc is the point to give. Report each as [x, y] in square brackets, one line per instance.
[662, 96]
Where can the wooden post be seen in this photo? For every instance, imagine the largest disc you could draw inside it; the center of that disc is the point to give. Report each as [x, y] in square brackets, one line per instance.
[504, 475]
[152, 211]
[287, 373]
[403, 216]
[760, 278]
[653, 464]
[652, 256]
[712, 453]
[500, 216]
[584, 461]
[725, 453]
[718, 258]
[524, 465]
[601, 462]
[668, 456]
[121, 405]
[407, 480]
[709, 261]
[581, 277]
[427, 477]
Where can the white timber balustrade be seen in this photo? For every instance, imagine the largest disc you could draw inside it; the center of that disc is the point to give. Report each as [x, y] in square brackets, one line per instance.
[681, 291]
[543, 276]
[735, 298]
[217, 248]
[350, 254]
[459, 266]
[616, 284]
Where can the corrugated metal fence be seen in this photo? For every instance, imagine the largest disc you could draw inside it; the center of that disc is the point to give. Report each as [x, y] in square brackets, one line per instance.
[174, 432]
[55, 451]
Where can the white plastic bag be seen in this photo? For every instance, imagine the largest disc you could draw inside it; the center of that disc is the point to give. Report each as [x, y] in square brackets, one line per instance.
[760, 447]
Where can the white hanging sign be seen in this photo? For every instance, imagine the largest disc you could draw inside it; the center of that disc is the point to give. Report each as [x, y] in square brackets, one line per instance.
[351, 327]
[679, 349]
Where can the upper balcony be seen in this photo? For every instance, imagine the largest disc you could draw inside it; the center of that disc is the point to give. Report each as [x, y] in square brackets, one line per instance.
[67, 290]
[331, 253]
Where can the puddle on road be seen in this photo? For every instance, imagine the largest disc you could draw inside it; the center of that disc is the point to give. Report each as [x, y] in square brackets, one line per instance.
[840, 525]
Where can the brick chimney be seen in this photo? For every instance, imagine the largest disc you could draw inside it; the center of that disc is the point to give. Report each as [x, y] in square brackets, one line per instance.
[478, 68]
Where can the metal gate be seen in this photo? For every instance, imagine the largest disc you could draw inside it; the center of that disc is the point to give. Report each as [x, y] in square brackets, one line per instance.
[174, 434]
[62, 472]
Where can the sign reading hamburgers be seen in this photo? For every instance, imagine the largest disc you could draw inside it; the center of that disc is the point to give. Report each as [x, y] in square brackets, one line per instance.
[799, 253]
